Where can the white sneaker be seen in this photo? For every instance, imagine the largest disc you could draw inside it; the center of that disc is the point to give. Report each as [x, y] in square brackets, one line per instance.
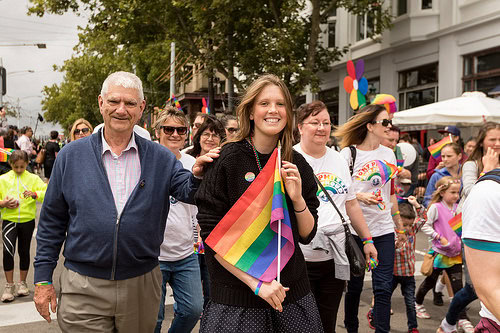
[466, 326]
[8, 292]
[421, 312]
[22, 289]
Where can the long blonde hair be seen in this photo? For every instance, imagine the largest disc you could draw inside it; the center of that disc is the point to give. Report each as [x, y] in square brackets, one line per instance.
[76, 123]
[441, 186]
[245, 107]
[354, 131]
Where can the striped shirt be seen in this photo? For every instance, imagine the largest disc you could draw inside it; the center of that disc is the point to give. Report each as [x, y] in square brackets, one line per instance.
[404, 257]
[123, 170]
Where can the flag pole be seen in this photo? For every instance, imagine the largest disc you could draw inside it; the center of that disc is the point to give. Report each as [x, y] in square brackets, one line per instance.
[278, 277]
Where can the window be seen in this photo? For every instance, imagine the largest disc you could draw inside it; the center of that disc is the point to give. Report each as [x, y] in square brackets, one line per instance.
[331, 33]
[402, 7]
[366, 24]
[332, 23]
[418, 86]
[426, 4]
[482, 71]
[331, 99]
[373, 89]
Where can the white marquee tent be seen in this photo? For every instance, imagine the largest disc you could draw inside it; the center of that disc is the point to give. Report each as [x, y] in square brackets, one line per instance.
[472, 108]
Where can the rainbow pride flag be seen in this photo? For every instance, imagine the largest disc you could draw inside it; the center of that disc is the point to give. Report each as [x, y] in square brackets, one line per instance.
[247, 236]
[5, 154]
[456, 224]
[176, 103]
[435, 149]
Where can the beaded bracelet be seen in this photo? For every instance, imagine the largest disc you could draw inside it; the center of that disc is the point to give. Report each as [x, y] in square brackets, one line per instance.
[258, 288]
[396, 213]
[45, 283]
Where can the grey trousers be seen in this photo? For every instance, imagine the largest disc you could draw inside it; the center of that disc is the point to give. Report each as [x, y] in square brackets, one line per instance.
[89, 304]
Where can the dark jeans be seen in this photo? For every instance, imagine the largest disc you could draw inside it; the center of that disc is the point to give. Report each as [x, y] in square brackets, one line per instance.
[205, 279]
[408, 291]
[462, 298]
[327, 291]
[382, 288]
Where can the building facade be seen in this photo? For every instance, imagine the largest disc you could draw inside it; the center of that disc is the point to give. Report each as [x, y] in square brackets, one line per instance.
[435, 50]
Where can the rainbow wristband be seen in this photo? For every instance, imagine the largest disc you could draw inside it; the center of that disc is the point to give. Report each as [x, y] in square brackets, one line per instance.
[258, 288]
[365, 239]
[45, 283]
[368, 241]
[400, 231]
[396, 213]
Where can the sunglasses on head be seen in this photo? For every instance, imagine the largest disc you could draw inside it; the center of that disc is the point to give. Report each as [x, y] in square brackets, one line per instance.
[83, 130]
[384, 122]
[169, 130]
[232, 129]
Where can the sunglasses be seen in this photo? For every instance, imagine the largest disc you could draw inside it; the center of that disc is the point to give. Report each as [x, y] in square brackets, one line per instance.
[169, 130]
[384, 122]
[83, 130]
[232, 129]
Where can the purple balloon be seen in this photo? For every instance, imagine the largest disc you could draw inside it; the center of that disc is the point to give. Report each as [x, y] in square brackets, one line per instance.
[363, 85]
[360, 69]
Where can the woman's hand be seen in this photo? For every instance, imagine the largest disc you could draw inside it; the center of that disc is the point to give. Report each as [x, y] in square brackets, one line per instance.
[292, 181]
[367, 198]
[273, 293]
[370, 252]
[443, 241]
[490, 160]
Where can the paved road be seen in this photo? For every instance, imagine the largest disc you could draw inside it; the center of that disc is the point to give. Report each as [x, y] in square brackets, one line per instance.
[21, 315]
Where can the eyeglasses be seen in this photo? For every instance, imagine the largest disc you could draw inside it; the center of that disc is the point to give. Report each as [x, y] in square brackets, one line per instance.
[232, 129]
[318, 124]
[212, 136]
[83, 130]
[169, 130]
[384, 122]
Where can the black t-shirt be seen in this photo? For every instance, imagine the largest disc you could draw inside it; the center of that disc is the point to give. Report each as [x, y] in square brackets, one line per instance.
[51, 148]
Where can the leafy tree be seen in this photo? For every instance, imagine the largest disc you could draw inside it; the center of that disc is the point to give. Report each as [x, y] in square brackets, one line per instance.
[259, 36]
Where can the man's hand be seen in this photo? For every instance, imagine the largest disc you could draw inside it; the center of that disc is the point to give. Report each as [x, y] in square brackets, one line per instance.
[201, 161]
[45, 296]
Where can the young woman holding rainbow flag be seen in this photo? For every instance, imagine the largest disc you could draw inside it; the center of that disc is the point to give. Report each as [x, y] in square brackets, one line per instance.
[244, 201]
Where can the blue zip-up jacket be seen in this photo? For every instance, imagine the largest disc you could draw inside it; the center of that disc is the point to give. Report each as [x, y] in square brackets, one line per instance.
[431, 186]
[79, 210]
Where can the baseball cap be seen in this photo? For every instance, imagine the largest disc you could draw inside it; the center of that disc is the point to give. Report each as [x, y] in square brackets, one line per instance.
[453, 130]
[405, 180]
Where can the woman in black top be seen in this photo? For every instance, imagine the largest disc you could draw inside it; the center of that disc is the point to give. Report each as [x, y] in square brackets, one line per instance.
[51, 150]
[239, 302]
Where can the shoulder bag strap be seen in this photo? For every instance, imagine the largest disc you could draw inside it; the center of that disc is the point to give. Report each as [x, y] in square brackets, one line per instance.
[344, 223]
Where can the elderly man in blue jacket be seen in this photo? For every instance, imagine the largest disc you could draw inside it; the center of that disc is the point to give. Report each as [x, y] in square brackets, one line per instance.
[108, 200]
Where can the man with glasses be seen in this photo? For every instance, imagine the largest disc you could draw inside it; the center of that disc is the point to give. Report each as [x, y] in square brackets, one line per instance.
[108, 200]
[178, 262]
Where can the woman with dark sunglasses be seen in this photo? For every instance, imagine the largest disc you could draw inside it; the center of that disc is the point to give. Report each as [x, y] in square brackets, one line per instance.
[80, 129]
[370, 162]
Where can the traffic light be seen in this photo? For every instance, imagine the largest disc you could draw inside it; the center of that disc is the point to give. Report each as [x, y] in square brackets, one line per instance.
[3, 77]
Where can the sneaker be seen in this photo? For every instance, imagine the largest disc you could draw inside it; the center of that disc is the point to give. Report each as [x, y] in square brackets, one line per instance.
[369, 316]
[440, 330]
[421, 312]
[466, 326]
[22, 289]
[438, 299]
[8, 292]
[413, 330]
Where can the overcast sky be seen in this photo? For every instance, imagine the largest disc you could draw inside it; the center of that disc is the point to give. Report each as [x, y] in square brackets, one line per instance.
[59, 32]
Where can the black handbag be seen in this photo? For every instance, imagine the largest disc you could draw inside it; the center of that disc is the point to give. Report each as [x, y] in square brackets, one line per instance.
[357, 260]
